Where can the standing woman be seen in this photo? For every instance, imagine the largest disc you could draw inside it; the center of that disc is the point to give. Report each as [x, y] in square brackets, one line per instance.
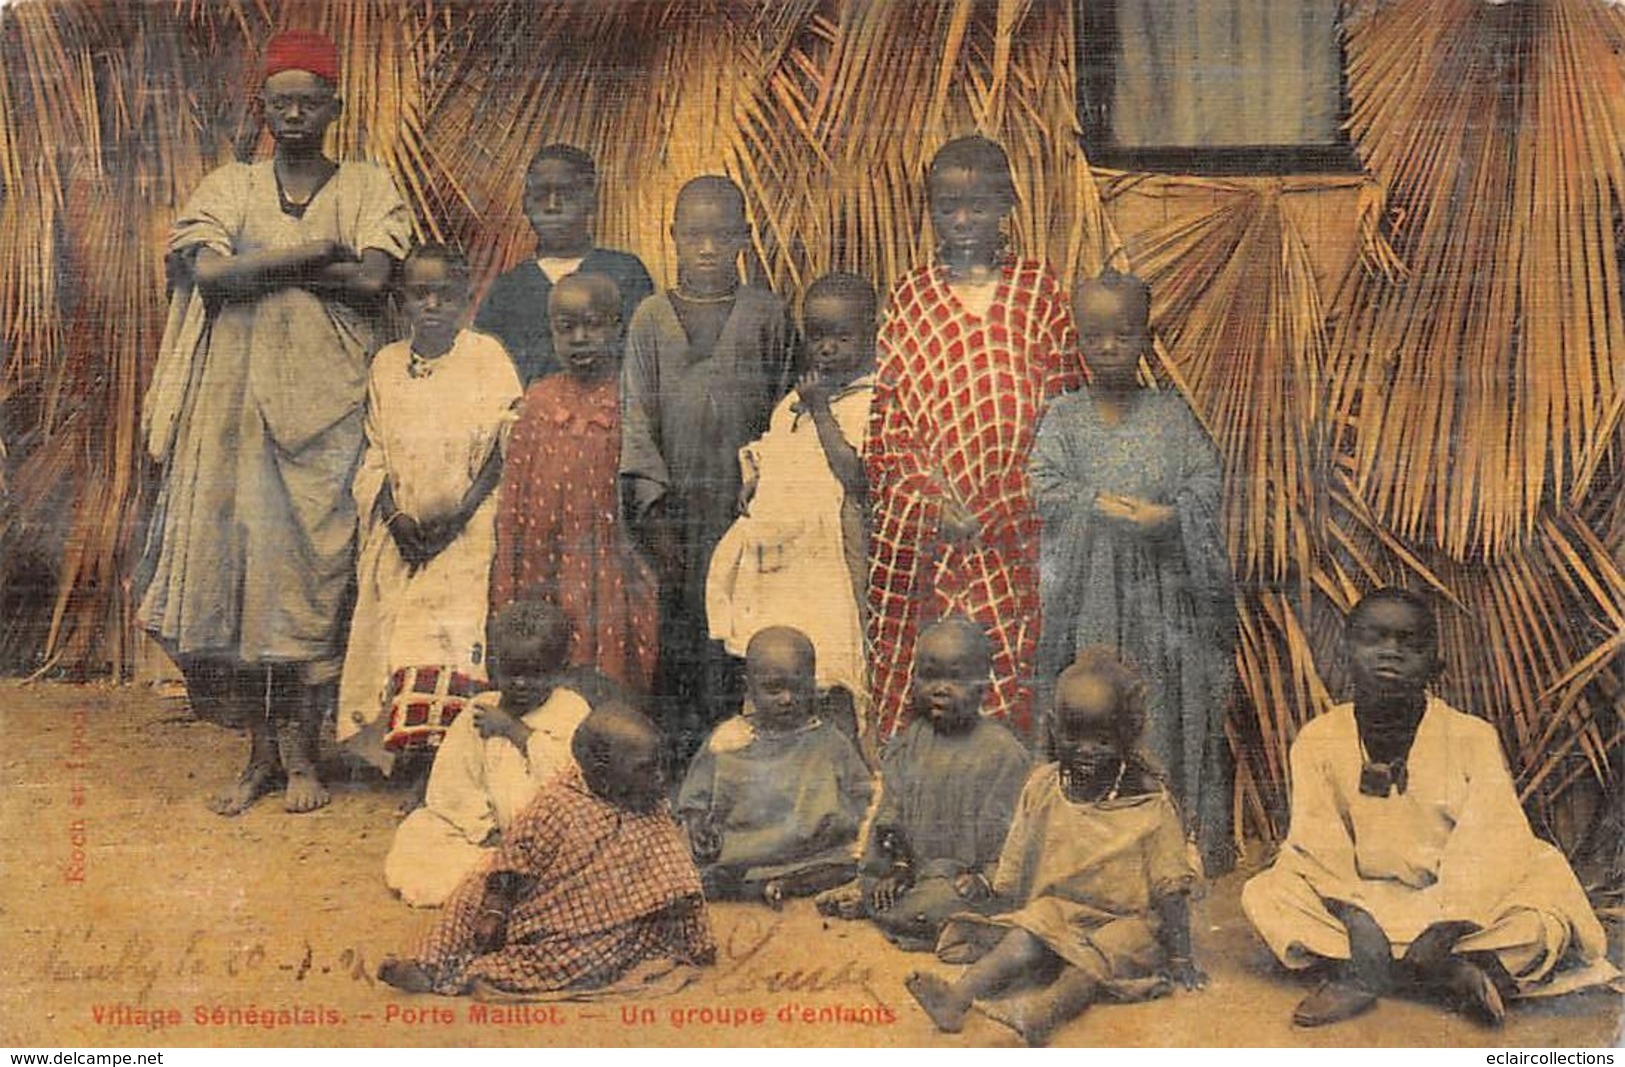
[255, 413]
[1128, 486]
[970, 350]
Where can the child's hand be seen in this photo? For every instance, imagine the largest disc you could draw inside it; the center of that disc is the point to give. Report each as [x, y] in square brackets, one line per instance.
[1186, 974]
[407, 534]
[889, 889]
[1133, 511]
[813, 390]
[490, 929]
[703, 839]
[494, 722]
[972, 886]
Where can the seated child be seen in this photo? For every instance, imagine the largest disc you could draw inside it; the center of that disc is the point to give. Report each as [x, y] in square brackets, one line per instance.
[561, 198]
[949, 784]
[493, 759]
[1409, 865]
[774, 799]
[593, 880]
[796, 556]
[706, 363]
[1095, 865]
[561, 534]
[438, 407]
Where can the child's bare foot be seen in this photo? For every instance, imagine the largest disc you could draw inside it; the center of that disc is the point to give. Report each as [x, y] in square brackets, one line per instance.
[417, 794]
[257, 779]
[405, 975]
[1333, 1002]
[305, 792]
[939, 1000]
[1027, 1014]
[1470, 991]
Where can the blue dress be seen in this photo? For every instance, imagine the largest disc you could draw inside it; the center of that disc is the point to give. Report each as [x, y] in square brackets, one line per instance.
[1163, 601]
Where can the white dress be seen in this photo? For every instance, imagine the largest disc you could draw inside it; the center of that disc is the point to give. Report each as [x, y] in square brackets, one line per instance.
[785, 563]
[429, 435]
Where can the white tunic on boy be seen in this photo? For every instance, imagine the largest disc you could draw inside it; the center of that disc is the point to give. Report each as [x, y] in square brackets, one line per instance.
[477, 785]
[1455, 845]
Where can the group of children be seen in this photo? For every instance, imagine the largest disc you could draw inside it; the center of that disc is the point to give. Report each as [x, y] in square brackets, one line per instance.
[609, 531]
[1410, 868]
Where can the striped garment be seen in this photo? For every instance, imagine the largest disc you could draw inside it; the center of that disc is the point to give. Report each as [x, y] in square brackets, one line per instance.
[957, 405]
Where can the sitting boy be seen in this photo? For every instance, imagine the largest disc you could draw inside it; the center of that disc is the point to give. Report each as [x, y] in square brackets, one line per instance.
[949, 784]
[1095, 870]
[493, 758]
[774, 799]
[1409, 863]
[592, 880]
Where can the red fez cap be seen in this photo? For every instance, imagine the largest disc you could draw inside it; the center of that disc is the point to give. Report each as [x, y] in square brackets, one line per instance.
[302, 50]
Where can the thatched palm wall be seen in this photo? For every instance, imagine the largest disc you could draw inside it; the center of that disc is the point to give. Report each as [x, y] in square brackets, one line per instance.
[1414, 375]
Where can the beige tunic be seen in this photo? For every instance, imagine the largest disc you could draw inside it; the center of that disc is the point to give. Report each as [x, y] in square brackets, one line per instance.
[1086, 879]
[1455, 845]
[255, 411]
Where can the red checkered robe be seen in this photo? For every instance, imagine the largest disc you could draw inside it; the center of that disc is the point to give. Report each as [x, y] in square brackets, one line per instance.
[955, 411]
[560, 534]
[606, 889]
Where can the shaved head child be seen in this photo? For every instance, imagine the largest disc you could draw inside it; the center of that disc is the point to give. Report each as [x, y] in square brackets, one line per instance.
[796, 554]
[561, 532]
[949, 784]
[774, 799]
[593, 879]
[494, 757]
[706, 362]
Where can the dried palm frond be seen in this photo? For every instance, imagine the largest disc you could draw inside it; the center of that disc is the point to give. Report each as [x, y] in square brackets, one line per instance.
[1493, 369]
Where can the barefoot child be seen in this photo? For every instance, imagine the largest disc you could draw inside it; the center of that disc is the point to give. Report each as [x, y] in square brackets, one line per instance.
[593, 880]
[1409, 863]
[970, 350]
[494, 757]
[561, 534]
[1096, 867]
[796, 556]
[437, 409]
[949, 784]
[561, 197]
[255, 413]
[774, 799]
[705, 364]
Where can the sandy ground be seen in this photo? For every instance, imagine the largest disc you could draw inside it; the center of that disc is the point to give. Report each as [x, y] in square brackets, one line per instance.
[132, 916]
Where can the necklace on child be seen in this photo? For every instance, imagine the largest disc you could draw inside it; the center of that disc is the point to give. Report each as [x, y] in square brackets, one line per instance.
[720, 298]
[1068, 784]
[419, 366]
